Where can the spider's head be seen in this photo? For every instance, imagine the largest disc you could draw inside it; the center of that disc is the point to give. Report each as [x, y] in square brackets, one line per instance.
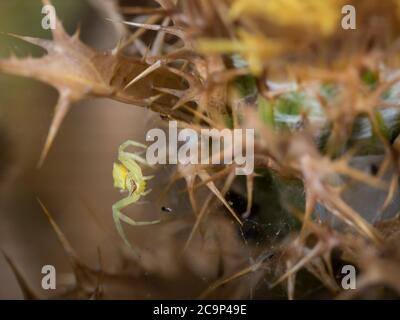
[120, 173]
[124, 181]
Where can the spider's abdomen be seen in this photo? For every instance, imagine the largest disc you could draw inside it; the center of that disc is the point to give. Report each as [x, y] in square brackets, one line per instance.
[119, 175]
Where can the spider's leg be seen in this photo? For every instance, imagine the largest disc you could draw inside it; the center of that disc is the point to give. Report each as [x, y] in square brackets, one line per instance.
[118, 215]
[131, 143]
[137, 158]
[146, 193]
[133, 155]
[148, 177]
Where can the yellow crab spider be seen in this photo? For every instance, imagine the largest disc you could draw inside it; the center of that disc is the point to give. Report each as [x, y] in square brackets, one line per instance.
[128, 176]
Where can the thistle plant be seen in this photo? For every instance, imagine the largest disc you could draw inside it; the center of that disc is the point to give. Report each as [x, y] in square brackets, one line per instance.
[324, 103]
